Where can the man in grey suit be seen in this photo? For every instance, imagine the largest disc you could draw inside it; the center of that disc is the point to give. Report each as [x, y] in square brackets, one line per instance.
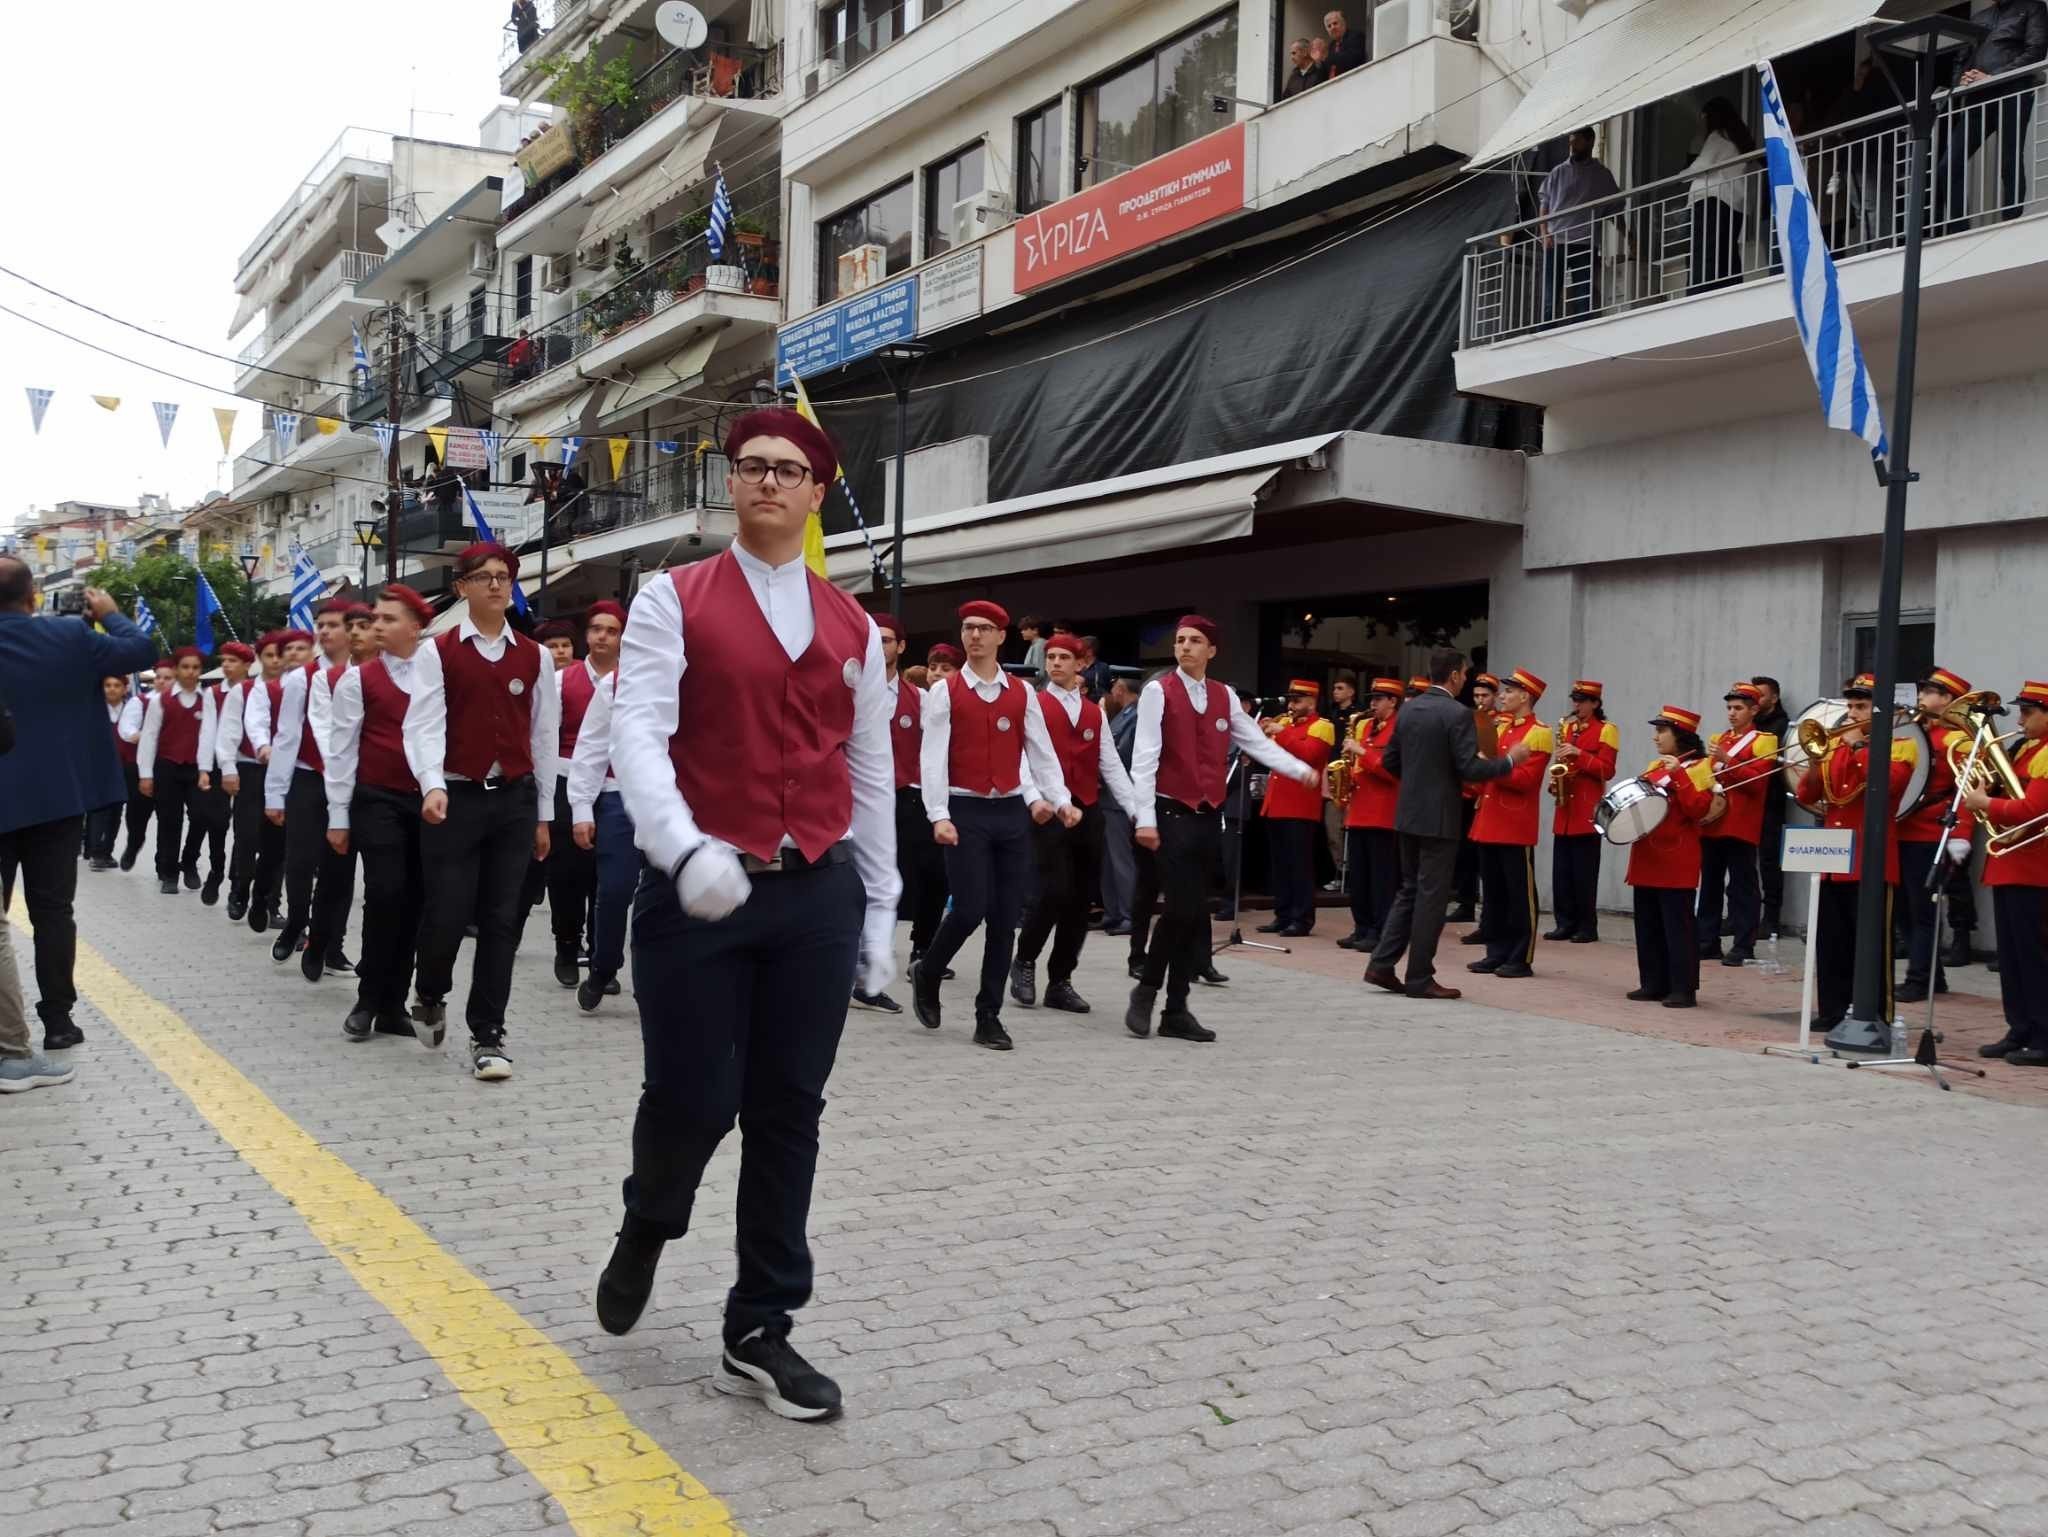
[1434, 751]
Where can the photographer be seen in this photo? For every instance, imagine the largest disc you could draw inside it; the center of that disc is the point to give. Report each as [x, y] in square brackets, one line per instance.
[50, 672]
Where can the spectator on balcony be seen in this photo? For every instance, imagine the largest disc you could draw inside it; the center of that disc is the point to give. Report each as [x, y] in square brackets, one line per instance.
[519, 356]
[1348, 49]
[525, 23]
[1304, 74]
[1319, 57]
[1716, 196]
[445, 487]
[1570, 230]
[2016, 36]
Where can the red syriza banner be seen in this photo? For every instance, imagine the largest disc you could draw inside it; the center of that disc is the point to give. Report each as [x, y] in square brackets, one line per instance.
[1167, 196]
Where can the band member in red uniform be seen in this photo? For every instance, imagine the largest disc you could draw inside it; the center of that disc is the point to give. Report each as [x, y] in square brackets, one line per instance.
[1664, 865]
[572, 870]
[2019, 891]
[1068, 859]
[1838, 782]
[319, 884]
[1293, 815]
[989, 771]
[1745, 765]
[1372, 857]
[174, 761]
[373, 810]
[1187, 724]
[214, 807]
[751, 743]
[920, 862]
[103, 827]
[1586, 754]
[481, 738]
[1504, 830]
[1920, 838]
[266, 886]
[1485, 687]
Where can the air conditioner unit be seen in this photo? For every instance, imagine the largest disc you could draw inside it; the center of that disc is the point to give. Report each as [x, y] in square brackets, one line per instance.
[483, 258]
[553, 276]
[863, 267]
[974, 217]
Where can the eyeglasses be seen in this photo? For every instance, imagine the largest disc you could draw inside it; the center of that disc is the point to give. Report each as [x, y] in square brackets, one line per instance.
[490, 578]
[787, 472]
[977, 629]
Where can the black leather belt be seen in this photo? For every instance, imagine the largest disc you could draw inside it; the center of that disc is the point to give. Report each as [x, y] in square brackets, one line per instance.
[1173, 808]
[792, 861]
[500, 782]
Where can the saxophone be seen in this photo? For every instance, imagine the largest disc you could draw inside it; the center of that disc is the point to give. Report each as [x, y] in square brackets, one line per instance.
[1562, 768]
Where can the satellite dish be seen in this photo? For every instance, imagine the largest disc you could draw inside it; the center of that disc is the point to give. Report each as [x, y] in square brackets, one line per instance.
[681, 24]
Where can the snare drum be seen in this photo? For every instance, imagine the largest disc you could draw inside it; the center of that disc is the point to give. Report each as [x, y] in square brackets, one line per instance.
[1631, 811]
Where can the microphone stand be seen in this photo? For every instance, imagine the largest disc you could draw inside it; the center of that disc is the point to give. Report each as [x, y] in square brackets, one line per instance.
[1238, 794]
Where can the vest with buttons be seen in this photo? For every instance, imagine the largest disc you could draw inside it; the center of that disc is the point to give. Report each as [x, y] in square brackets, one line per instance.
[246, 749]
[124, 748]
[987, 752]
[1194, 746]
[309, 745]
[274, 688]
[177, 738]
[906, 732]
[380, 758]
[490, 706]
[577, 688]
[1078, 746]
[760, 743]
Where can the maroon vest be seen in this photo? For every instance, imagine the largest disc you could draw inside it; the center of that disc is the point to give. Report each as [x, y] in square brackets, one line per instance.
[1194, 750]
[247, 750]
[125, 748]
[380, 757]
[988, 739]
[177, 738]
[490, 706]
[309, 756]
[759, 746]
[906, 733]
[1079, 746]
[577, 688]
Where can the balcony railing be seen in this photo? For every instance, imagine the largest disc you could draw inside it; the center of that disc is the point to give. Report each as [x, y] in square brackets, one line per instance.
[350, 144]
[724, 71]
[255, 459]
[679, 482]
[875, 34]
[345, 271]
[1717, 229]
[550, 15]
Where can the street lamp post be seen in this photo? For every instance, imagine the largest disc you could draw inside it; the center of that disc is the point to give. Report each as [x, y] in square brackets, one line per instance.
[367, 539]
[899, 365]
[1925, 46]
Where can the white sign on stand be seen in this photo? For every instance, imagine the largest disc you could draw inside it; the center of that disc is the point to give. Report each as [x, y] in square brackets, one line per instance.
[1817, 852]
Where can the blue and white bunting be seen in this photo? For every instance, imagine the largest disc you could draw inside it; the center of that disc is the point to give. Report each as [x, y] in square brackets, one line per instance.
[721, 219]
[286, 425]
[384, 431]
[38, 403]
[307, 587]
[166, 413]
[362, 358]
[668, 445]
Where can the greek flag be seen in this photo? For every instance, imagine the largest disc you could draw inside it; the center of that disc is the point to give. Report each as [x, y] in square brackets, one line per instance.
[490, 441]
[1847, 397]
[571, 447]
[286, 425]
[384, 430]
[721, 218]
[362, 358]
[307, 587]
[145, 619]
[483, 531]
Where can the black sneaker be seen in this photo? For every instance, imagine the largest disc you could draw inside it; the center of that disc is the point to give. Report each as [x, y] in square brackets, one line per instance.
[191, 878]
[287, 941]
[611, 988]
[393, 1022]
[309, 962]
[1138, 1012]
[238, 907]
[1024, 983]
[989, 1031]
[128, 856]
[878, 1003]
[430, 1023]
[1061, 996]
[628, 1278]
[210, 892]
[337, 960]
[62, 1036]
[565, 965]
[589, 994]
[168, 888]
[766, 1366]
[360, 1025]
[924, 997]
[1180, 1025]
[488, 1061]
[261, 917]
[1137, 969]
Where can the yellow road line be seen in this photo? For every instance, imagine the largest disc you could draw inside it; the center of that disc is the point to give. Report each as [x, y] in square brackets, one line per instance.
[610, 1476]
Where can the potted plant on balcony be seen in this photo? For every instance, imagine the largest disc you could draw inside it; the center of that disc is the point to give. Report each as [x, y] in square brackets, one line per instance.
[584, 89]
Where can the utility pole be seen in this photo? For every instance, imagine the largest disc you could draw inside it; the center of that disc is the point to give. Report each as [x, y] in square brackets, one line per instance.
[394, 413]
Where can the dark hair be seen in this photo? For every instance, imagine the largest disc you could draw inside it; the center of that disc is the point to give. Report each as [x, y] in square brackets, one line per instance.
[1444, 661]
[1031, 622]
[478, 555]
[1688, 741]
[1586, 132]
[1722, 118]
[1345, 675]
[1762, 680]
[17, 582]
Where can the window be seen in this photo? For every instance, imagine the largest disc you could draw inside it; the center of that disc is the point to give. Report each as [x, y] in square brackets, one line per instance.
[522, 288]
[477, 326]
[883, 220]
[518, 469]
[949, 182]
[1038, 158]
[447, 327]
[1157, 103]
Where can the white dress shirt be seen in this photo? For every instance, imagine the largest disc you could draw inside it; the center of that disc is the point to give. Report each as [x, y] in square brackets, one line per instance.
[1038, 774]
[153, 725]
[343, 746]
[127, 718]
[227, 741]
[256, 721]
[1244, 734]
[590, 767]
[652, 661]
[426, 720]
[1115, 776]
[291, 718]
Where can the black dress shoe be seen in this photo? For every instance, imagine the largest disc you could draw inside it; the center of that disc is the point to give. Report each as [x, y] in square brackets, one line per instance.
[1483, 965]
[989, 1031]
[1295, 931]
[1024, 983]
[924, 997]
[1473, 938]
[1357, 939]
[101, 862]
[309, 963]
[1271, 928]
[238, 908]
[1137, 969]
[1644, 995]
[1682, 1001]
[628, 1279]
[1209, 976]
[1958, 951]
[287, 941]
[2003, 1047]
[1138, 1012]
[2028, 1056]
[1910, 992]
[1180, 1025]
[62, 1036]
[1738, 958]
[360, 1024]
[336, 960]
[210, 892]
[260, 917]
[589, 994]
[1061, 996]
[191, 878]
[168, 888]
[1514, 969]
[1710, 952]
[1463, 914]
[1559, 934]
[393, 1022]
[1585, 939]
[565, 965]
[128, 857]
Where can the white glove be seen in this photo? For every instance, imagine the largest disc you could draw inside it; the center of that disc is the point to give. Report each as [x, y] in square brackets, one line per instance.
[1301, 773]
[877, 950]
[713, 883]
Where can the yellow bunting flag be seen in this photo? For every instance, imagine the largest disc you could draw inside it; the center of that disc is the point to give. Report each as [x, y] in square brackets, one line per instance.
[539, 442]
[618, 447]
[109, 402]
[224, 419]
[327, 426]
[814, 525]
[438, 436]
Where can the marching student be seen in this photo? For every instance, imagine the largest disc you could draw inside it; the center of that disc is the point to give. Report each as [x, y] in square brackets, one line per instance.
[1921, 837]
[920, 862]
[1186, 728]
[241, 749]
[1293, 816]
[571, 868]
[481, 737]
[1745, 764]
[266, 884]
[1504, 830]
[599, 825]
[1372, 860]
[559, 636]
[739, 677]
[2019, 891]
[1587, 750]
[373, 810]
[989, 771]
[941, 662]
[124, 716]
[319, 884]
[1068, 858]
[216, 802]
[1664, 865]
[174, 762]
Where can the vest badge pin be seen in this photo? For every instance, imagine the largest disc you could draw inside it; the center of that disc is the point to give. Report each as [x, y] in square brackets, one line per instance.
[516, 687]
[851, 673]
[1002, 723]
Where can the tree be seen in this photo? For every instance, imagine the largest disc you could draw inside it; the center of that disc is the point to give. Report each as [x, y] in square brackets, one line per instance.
[169, 582]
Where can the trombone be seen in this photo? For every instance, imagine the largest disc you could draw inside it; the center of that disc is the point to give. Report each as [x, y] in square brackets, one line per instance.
[1988, 767]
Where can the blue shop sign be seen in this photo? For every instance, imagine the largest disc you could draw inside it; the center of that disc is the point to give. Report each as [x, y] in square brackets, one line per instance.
[848, 330]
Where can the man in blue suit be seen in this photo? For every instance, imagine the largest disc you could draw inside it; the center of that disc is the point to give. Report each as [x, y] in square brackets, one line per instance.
[62, 767]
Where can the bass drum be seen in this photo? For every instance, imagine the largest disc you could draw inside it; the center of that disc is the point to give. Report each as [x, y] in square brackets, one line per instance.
[1631, 811]
[1830, 713]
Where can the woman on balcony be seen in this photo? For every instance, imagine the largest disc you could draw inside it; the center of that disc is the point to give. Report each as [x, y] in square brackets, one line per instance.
[1716, 195]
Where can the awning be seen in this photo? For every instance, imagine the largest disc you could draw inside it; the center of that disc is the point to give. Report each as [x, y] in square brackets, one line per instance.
[571, 418]
[681, 169]
[679, 374]
[1658, 49]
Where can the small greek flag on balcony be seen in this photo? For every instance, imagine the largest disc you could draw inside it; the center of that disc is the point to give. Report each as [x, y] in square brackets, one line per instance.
[490, 441]
[362, 358]
[307, 587]
[286, 425]
[721, 218]
[571, 447]
[1847, 397]
[384, 431]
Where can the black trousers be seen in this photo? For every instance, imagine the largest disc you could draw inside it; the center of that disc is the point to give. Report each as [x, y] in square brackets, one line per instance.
[266, 885]
[1291, 850]
[1575, 883]
[1144, 897]
[571, 873]
[211, 810]
[989, 873]
[176, 788]
[1507, 875]
[474, 864]
[384, 829]
[1770, 855]
[740, 1022]
[1962, 896]
[1415, 923]
[1834, 952]
[1716, 258]
[2022, 915]
[921, 864]
[1916, 863]
[1188, 859]
[140, 809]
[45, 857]
[1728, 868]
[250, 826]
[1667, 943]
[1069, 866]
[319, 884]
[1372, 871]
[103, 830]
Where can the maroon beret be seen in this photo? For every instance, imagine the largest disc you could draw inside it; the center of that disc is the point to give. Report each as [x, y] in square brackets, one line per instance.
[943, 652]
[237, 650]
[296, 637]
[165, 663]
[1061, 640]
[1200, 622]
[184, 651]
[981, 608]
[274, 638]
[339, 606]
[555, 629]
[357, 611]
[781, 422]
[472, 559]
[889, 624]
[408, 599]
[608, 608]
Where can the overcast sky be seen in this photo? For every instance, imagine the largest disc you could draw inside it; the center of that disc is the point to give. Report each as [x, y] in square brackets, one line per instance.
[150, 147]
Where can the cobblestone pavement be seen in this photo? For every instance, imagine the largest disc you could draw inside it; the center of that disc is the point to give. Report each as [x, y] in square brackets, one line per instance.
[1362, 1266]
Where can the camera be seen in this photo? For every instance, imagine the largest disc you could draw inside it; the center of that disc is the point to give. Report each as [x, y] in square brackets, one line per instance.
[70, 601]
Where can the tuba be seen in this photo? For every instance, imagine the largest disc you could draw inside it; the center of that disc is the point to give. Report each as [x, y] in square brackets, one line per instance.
[1986, 765]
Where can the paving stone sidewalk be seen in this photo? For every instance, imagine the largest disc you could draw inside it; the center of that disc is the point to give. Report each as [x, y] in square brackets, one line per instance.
[1364, 1265]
